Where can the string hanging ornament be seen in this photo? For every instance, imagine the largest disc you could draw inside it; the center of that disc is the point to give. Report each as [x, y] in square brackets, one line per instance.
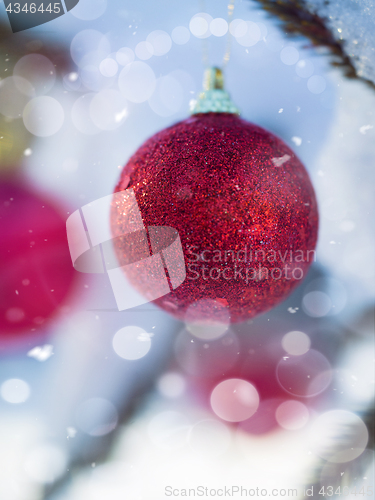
[240, 199]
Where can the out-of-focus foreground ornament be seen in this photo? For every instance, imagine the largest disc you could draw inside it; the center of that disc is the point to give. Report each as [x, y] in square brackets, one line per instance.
[36, 274]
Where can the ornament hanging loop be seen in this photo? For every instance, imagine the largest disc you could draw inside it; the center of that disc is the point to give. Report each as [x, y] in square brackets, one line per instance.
[229, 36]
[205, 50]
[213, 79]
[213, 99]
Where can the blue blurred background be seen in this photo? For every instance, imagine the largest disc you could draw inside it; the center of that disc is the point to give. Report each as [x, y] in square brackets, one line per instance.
[106, 404]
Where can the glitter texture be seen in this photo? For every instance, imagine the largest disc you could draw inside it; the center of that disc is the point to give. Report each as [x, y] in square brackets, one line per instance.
[247, 221]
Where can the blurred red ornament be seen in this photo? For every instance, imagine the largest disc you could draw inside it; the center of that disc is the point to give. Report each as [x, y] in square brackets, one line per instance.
[36, 273]
[243, 205]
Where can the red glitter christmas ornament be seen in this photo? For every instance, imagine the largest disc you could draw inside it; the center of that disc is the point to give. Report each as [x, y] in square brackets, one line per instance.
[241, 201]
[36, 273]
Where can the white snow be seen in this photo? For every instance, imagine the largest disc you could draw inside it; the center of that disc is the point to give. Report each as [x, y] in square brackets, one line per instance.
[41, 353]
[352, 23]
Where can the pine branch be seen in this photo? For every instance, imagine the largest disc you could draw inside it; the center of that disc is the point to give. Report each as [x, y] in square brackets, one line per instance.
[297, 19]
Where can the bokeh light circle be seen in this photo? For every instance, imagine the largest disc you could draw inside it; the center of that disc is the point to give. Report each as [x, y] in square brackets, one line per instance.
[207, 319]
[296, 343]
[72, 81]
[180, 35]
[306, 375]
[289, 55]
[144, 50]
[252, 35]
[338, 436]
[96, 417]
[234, 400]
[124, 56]
[316, 84]
[15, 391]
[292, 415]
[108, 67]
[320, 304]
[88, 10]
[200, 25]
[43, 116]
[73, 76]
[93, 79]
[38, 70]
[218, 27]
[14, 314]
[160, 41]
[238, 28]
[304, 68]
[137, 82]
[81, 115]
[316, 304]
[89, 46]
[108, 109]
[171, 385]
[131, 343]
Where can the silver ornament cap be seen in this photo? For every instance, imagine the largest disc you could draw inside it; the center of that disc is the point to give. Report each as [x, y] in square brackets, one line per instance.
[213, 99]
